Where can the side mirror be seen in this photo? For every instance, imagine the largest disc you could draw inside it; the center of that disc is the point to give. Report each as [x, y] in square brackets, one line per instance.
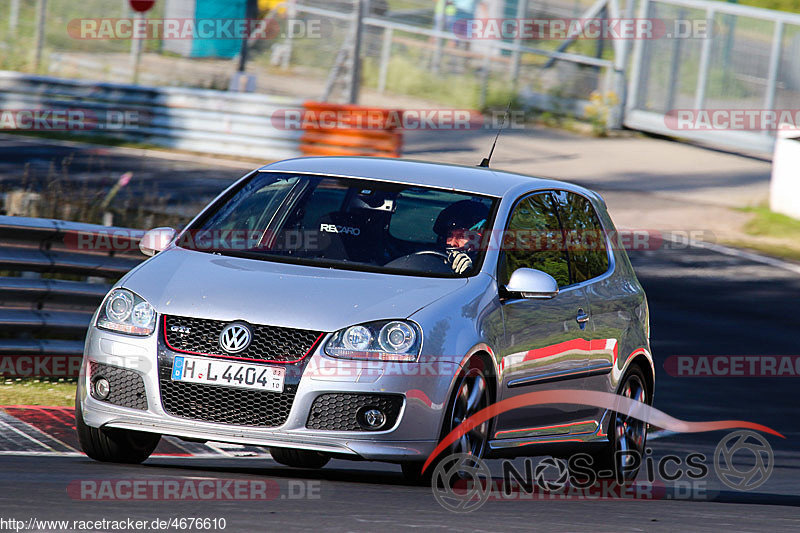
[156, 240]
[532, 283]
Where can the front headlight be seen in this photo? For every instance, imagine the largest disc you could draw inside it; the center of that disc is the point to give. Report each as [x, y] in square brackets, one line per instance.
[126, 312]
[387, 340]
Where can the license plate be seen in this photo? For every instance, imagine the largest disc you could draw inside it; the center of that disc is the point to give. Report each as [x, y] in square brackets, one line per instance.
[214, 372]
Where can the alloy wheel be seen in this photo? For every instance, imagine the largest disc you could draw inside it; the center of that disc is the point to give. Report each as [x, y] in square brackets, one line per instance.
[471, 396]
[630, 433]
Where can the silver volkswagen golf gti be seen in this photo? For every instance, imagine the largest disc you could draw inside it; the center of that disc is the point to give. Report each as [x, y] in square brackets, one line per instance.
[362, 308]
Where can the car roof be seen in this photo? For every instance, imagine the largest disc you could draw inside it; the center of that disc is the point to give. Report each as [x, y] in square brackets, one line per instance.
[478, 180]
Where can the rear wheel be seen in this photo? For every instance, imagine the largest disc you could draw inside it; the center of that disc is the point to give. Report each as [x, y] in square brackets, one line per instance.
[627, 435]
[299, 458]
[114, 445]
[470, 396]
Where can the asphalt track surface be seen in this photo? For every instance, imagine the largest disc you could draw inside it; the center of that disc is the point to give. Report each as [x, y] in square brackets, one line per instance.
[702, 303]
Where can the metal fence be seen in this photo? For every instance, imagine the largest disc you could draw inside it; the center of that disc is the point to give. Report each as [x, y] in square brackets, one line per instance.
[207, 121]
[53, 275]
[405, 52]
[749, 62]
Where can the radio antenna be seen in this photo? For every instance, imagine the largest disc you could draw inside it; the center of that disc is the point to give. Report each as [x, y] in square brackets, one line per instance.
[487, 160]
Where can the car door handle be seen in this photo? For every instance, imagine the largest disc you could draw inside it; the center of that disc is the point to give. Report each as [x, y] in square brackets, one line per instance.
[582, 318]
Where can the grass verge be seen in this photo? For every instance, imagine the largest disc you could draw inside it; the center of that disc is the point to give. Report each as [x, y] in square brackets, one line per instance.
[767, 223]
[775, 234]
[32, 391]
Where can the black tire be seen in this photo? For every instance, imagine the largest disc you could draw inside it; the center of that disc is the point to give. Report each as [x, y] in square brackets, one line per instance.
[299, 458]
[625, 433]
[113, 445]
[413, 475]
[412, 470]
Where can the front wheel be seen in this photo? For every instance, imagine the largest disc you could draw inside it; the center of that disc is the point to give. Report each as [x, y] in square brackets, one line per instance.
[112, 445]
[627, 435]
[470, 396]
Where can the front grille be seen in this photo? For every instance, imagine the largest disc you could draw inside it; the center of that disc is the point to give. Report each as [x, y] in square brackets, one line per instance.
[127, 386]
[269, 343]
[338, 412]
[226, 405]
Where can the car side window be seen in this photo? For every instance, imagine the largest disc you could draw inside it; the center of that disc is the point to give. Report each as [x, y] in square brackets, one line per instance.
[584, 236]
[533, 239]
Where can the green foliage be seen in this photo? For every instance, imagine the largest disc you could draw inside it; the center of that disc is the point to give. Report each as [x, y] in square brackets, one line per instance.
[407, 75]
[25, 391]
[771, 224]
[792, 6]
[599, 110]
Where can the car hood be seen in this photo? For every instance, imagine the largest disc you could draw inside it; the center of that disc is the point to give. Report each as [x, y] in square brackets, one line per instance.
[197, 284]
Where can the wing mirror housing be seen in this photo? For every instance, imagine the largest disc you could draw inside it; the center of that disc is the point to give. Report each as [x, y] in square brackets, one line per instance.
[156, 240]
[532, 283]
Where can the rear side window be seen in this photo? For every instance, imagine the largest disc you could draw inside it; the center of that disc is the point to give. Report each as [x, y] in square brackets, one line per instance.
[534, 240]
[584, 236]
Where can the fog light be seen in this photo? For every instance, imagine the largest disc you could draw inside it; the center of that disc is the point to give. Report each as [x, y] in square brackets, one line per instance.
[371, 418]
[102, 388]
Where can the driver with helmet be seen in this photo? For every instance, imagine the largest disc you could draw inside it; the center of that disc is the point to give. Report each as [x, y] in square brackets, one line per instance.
[459, 228]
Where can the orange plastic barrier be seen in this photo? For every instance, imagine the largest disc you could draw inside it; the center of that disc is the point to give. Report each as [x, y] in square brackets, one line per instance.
[336, 129]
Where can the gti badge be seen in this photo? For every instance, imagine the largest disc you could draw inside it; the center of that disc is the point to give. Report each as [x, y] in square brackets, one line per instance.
[182, 330]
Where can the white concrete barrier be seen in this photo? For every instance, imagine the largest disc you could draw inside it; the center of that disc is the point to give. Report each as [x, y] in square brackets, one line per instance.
[784, 194]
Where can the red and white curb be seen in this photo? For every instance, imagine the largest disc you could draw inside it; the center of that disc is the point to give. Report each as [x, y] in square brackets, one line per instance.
[50, 432]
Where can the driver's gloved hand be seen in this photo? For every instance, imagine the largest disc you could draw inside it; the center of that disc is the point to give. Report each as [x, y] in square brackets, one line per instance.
[460, 262]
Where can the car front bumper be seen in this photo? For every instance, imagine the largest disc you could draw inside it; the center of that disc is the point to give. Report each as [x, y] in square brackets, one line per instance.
[424, 387]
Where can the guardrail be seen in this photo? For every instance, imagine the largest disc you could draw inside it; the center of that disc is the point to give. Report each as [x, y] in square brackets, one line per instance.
[45, 317]
[205, 121]
[197, 120]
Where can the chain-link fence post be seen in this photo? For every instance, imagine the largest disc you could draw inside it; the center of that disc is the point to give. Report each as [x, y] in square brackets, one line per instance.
[13, 17]
[41, 20]
[354, 83]
[622, 50]
[522, 10]
[774, 67]
[386, 57]
[291, 15]
[136, 47]
[705, 64]
[439, 19]
[674, 66]
[638, 79]
[485, 72]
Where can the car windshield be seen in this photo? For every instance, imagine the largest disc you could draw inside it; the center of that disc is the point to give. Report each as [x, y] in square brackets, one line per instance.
[347, 223]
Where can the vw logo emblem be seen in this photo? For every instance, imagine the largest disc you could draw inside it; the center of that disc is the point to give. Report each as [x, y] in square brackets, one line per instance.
[235, 338]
